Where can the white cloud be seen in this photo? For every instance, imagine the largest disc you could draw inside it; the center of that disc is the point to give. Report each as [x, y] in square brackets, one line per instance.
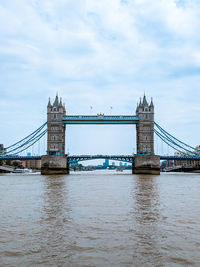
[101, 53]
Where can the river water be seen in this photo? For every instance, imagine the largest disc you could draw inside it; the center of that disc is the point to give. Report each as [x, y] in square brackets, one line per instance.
[100, 218]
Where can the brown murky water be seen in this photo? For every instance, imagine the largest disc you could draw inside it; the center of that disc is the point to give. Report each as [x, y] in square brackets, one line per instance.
[100, 219]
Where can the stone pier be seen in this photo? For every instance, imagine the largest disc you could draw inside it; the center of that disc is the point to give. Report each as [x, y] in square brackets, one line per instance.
[146, 164]
[51, 164]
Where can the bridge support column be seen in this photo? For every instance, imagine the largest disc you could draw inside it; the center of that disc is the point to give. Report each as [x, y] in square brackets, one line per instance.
[54, 165]
[146, 164]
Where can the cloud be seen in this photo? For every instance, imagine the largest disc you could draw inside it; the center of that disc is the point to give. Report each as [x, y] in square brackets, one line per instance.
[99, 53]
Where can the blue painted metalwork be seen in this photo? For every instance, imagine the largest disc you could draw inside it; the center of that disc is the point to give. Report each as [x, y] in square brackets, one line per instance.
[100, 119]
[124, 158]
[168, 134]
[30, 136]
[76, 158]
[176, 144]
[168, 143]
[179, 158]
[13, 157]
[25, 145]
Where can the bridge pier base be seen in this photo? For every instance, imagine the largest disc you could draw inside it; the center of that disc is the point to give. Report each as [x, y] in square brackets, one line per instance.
[146, 164]
[51, 165]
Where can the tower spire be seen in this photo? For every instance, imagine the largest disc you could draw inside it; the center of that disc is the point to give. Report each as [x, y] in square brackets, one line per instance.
[144, 102]
[56, 102]
[60, 104]
[49, 103]
[151, 104]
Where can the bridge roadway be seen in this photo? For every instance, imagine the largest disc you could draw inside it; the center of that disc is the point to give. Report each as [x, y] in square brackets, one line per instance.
[100, 119]
[75, 158]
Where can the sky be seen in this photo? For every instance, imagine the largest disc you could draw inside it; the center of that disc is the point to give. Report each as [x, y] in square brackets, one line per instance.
[101, 54]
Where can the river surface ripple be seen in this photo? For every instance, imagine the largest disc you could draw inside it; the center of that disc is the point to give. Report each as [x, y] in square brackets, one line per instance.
[100, 218]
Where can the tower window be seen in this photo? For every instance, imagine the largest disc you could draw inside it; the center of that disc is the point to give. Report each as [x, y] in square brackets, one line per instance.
[54, 138]
[54, 128]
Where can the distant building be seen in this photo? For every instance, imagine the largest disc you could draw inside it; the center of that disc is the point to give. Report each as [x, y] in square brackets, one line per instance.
[106, 163]
[2, 149]
[197, 149]
[34, 164]
[187, 163]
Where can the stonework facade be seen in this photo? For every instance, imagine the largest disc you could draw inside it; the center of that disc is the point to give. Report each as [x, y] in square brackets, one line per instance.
[145, 127]
[146, 164]
[56, 128]
[51, 164]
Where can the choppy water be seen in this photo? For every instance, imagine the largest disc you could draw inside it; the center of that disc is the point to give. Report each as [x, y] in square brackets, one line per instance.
[100, 219]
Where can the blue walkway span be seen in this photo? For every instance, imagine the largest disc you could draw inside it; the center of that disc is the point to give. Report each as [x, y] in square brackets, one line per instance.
[100, 119]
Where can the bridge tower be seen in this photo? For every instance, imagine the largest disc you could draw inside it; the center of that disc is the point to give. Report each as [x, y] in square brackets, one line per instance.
[145, 128]
[55, 162]
[145, 160]
[55, 128]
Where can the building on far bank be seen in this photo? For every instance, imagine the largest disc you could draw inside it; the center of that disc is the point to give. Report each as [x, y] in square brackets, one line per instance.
[2, 149]
[34, 164]
[106, 163]
[187, 163]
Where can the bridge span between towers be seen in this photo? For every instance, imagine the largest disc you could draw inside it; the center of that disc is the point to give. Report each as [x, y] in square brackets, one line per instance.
[100, 119]
[78, 158]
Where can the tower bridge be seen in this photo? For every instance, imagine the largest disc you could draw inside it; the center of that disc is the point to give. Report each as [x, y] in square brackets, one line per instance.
[57, 162]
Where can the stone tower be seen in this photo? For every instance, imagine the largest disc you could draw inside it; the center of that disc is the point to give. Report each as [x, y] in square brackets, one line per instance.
[145, 162]
[145, 127]
[56, 128]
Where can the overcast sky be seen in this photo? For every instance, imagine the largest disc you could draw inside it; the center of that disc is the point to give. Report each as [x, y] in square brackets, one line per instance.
[99, 54]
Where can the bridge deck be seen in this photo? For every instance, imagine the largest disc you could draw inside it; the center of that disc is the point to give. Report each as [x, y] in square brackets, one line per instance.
[100, 119]
[128, 158]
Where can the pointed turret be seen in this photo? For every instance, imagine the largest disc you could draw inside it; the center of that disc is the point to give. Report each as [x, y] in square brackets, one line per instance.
[144, 102]
[56, 102]
[137, 108]
[60, 104]
[64, 110]
[151, 104]
[140, 104]
[49, 103]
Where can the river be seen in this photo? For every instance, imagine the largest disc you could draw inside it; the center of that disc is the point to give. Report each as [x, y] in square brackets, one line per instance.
[100, 218]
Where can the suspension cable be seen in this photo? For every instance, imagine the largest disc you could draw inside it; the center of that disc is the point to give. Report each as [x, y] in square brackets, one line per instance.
[176, 144]
[36, 139]
[158, 126]
[169, 144]
[35, 132]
